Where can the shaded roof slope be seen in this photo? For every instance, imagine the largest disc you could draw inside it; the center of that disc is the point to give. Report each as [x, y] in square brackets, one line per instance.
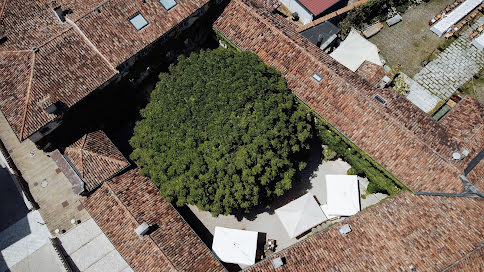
[73, 58]
[95, 158]
[428, 233]
[402, 138]
[65, 68]
[126, 201]
[116, 38]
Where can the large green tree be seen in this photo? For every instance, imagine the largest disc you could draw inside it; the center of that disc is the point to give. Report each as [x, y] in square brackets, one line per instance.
[222, 131]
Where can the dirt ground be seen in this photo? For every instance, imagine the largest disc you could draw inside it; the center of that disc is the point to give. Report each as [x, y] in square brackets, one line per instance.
[410, 42]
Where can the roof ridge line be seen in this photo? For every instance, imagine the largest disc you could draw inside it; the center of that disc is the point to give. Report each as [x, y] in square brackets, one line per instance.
[3, 8]
[136, 221]
[463, 257]
[27, 98]
[249, 6]
[15, 51]
[90, 44]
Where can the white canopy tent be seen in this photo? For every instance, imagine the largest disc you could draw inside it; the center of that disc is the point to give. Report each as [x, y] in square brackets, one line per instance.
[300, 215]
[354, 50]
[235, 246]
[454, 16]
[479, 42]
[343, 198]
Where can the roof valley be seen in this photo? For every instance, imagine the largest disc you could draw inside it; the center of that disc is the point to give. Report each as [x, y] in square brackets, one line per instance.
[247, 6]
[3, 8]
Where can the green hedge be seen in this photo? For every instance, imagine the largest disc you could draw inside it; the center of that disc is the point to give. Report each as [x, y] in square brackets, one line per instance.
[363, 165]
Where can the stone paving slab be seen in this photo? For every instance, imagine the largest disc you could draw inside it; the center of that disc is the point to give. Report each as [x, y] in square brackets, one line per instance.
[22, 239]
[45, 259]
[443, 76]
[50, 188]
[421, 97]
[91, 250]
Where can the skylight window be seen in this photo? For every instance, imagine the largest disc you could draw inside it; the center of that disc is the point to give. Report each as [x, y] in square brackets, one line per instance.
[380, 99]
[317, 76]
[138, 21]
[168, 4]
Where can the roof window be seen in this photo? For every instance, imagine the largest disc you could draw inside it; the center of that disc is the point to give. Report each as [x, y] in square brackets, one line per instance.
[168, 4]
[317, 76]
[138, 21]
[380, 99]
[345, 229]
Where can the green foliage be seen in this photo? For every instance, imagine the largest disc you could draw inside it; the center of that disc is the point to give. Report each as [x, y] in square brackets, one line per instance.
[222, 132]
[361, 164]
[328, 154]
[224, 40]
[351, 171]
[371, 12]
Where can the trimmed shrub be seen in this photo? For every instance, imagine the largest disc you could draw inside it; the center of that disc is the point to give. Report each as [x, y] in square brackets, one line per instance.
[361, 164]
[351, 171]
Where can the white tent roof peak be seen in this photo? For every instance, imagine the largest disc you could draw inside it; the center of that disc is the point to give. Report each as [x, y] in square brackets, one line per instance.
[235, 246]
[300, 215]
[354, 50]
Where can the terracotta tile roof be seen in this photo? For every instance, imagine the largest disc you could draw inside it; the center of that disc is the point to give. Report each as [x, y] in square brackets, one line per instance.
[317, 6]
[74, 58]
[126, 201]
[465, 122]
[117, 39]
[373, 73]
[402, 138]
[473, 262]
[428, 233]
[95, 158]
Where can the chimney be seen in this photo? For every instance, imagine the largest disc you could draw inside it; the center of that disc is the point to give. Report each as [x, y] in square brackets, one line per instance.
[142, 229]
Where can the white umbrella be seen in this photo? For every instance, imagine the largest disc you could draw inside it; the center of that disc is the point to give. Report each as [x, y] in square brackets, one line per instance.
[235, 246]
[300, 215]
[343, 198]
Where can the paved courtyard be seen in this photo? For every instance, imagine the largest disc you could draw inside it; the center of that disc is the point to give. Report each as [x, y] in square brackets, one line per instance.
[264, 220]
[410, 41]
[443, 76]
[48, 185]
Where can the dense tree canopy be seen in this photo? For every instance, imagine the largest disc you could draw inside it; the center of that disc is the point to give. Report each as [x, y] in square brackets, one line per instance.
[222, 131]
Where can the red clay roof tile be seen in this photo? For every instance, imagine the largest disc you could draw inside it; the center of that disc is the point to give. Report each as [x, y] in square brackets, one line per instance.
[128, 200]
[400, 232]
[402, 138]
[73, 58]
[95, 158]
